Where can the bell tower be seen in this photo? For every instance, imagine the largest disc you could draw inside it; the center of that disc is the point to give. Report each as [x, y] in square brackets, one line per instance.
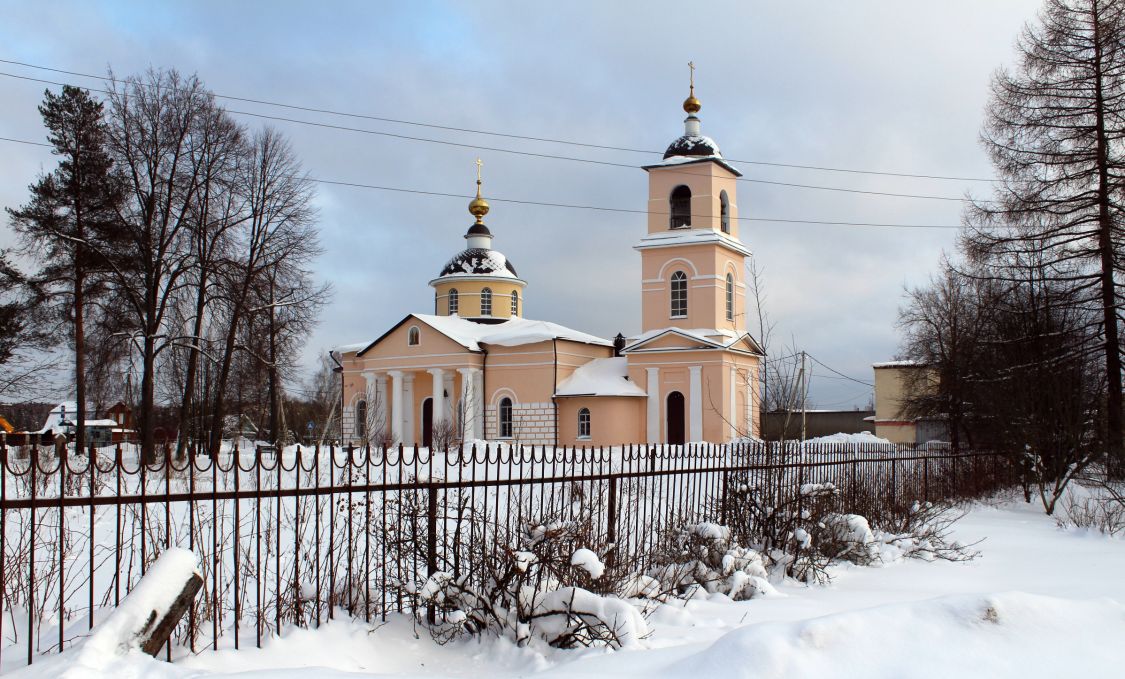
[692, 260]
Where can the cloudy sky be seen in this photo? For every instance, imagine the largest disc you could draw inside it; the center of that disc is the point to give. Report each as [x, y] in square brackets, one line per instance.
[885, 85]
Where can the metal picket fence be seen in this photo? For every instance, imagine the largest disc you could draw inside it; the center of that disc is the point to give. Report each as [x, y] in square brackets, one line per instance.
[302, 535]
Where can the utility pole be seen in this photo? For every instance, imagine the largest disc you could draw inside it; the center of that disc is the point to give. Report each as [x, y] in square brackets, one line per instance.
[804, 382]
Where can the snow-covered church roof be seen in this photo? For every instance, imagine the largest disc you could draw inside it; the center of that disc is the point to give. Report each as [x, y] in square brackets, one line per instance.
[471, 335]
[480, 262]
[600, 377]
[693, 145]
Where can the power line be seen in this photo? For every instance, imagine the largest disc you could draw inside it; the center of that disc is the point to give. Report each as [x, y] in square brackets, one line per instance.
[550, 156]
[601, 208]
[507, 135]
[24, 141]
[837, 372]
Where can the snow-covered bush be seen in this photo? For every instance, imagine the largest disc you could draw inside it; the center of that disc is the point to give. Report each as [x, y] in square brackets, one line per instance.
[800, 534]
[551, 581]
[702, 556]
[793, 531]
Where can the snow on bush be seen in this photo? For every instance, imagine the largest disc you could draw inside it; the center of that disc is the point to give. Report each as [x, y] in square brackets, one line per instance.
[701, 556]
[588, 561]
[548, 583]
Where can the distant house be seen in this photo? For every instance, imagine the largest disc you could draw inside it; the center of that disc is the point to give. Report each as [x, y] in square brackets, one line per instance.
[121, 414]
[115, 427]
[894, 382]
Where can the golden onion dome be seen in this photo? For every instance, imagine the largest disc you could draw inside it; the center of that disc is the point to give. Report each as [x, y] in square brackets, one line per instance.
[478, 207]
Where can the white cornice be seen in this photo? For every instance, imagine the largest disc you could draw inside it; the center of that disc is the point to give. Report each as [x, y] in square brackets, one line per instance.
[684, 237]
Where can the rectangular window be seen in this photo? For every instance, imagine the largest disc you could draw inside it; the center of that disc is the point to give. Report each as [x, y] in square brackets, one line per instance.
[730, 297]
[679, 295]
[486, 302]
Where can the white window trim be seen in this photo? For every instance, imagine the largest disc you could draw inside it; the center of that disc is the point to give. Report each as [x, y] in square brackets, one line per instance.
[490, 300]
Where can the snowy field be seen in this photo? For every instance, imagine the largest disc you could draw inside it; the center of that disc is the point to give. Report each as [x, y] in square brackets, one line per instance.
[1038, 602]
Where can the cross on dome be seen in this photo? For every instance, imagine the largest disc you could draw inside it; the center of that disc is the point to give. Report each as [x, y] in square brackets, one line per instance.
[478, 207]
[691, 104]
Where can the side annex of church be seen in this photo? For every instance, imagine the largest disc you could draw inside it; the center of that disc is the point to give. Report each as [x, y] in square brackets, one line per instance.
[477, 369]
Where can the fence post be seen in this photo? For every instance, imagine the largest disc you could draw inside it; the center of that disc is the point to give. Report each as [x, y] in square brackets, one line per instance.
[431, 541]
[611, 522]
[926, 477]
[723, 498]
[894, 485]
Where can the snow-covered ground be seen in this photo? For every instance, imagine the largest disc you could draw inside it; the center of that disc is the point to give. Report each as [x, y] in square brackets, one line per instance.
[1038, 602]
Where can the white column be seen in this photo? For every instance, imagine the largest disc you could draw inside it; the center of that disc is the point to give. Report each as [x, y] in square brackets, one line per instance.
[748, 415]
[469, 403]
[438, 394]
[408, 409]
[369, 396]
[381, 408]
[732, 407]
[653, 416]
[447, 389]
[478, 410]
[396, 406]
[695, 404]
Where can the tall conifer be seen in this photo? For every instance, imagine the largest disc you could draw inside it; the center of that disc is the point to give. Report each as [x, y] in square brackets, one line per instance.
[71, 216]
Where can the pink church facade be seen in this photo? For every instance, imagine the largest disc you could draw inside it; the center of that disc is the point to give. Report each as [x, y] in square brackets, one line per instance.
[477, 369]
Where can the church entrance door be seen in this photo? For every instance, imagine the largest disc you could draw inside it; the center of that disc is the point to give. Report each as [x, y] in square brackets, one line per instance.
[674, 415]
[428, 423]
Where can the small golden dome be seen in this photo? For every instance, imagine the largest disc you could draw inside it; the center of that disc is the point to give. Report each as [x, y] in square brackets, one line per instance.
[478, 207]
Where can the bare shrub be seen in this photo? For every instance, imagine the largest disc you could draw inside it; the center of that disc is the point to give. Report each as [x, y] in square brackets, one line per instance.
[1102, 511]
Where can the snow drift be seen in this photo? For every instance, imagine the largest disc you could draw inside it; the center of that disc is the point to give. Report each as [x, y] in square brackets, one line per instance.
[1002, 635]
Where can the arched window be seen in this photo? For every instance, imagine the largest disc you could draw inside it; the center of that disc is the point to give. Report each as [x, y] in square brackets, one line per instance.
[584, 423]
[679, 294]
[505, 418]
[724, 212]
[452, 301]
[486, 302]
[515, 303]
[361, 419]
[730, 297]
[413, 336]
[680, 207]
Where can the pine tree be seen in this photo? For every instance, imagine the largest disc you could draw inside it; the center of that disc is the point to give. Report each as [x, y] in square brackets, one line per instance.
[71, 215]
[1054, 131]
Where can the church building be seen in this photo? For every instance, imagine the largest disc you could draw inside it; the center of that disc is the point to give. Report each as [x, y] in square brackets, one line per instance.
[477, 369]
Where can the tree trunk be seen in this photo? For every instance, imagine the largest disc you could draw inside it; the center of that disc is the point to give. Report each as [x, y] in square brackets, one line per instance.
[79, 333]
[193, 362]
[1105, 252]
[272, 367]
